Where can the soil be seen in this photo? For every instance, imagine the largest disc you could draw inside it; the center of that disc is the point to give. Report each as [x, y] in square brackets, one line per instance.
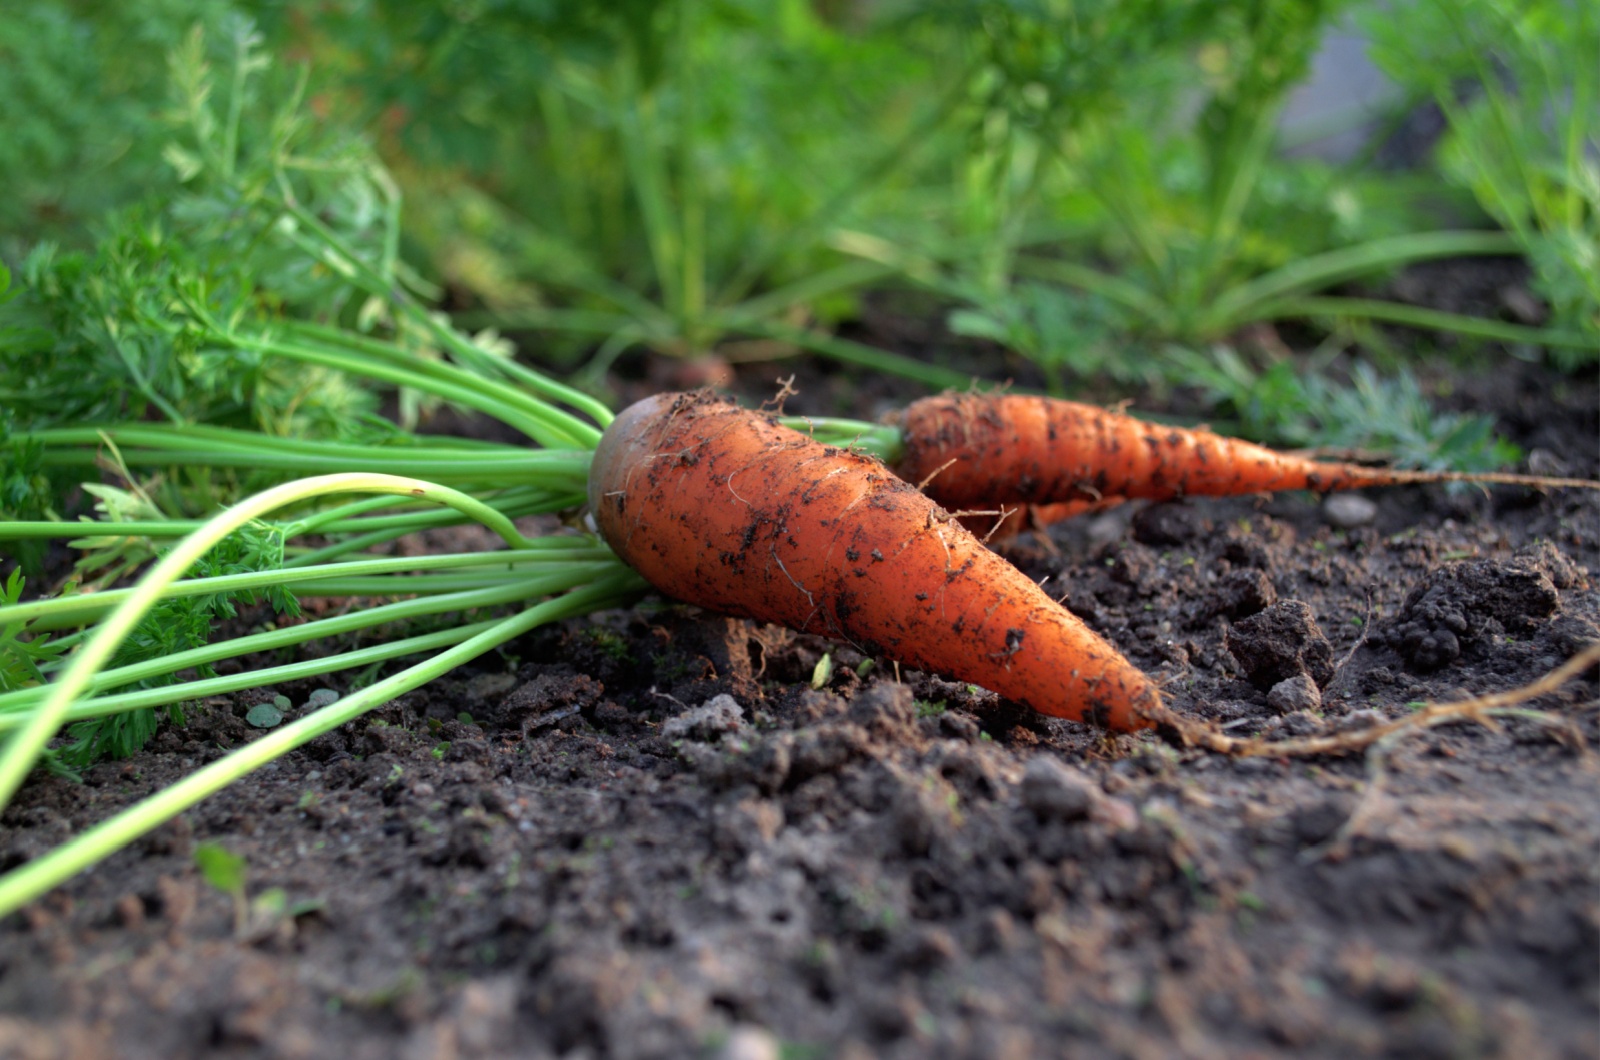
[648, 834]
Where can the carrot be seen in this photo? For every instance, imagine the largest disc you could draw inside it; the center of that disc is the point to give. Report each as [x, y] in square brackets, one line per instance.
[725, 508]
[982, 450]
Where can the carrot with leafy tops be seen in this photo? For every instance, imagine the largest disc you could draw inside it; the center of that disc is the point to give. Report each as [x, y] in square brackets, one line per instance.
[725, 508]
[982, 450]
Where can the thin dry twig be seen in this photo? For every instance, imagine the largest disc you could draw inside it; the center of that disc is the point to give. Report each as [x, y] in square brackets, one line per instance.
[1338, 845]
[1477, 708]
[1366, 628]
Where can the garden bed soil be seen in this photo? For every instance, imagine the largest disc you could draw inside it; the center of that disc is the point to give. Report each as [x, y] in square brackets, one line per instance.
[647, 834]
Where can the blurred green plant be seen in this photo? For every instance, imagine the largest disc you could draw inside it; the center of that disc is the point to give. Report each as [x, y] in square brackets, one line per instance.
[83, 87]
[1145, 132]
[1519, 82]
[1289, 406]
[660, 173]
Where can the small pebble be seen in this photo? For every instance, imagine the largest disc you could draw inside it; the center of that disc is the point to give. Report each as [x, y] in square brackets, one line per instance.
[1299, 723]
[750, 1043]
[1104, 529]
[1346, 511]
[1050, 789]
[1294, 693]
[1361, 719]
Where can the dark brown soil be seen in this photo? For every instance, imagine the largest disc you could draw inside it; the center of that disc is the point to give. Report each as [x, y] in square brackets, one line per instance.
[647, 834]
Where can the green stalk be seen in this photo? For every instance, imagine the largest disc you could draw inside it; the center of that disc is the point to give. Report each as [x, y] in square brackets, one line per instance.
[229, 155]
[579, 321]
[289, 636]
[1428, 319]
[1129, 214]
[36, 877]
[376, 530]
[512, 503]
[121, 703]
[691, 197]
[564, 164]
[401, 584]
[476, 379]
[503, 469]
[641, 157]
[159, 446]
[583, 434]
[453, 384]
[881, 440]
[90, 604]
[340, 518]
[24, 748]
[248, 443]
[1579, 128]
[1242, 168]
[23, 530]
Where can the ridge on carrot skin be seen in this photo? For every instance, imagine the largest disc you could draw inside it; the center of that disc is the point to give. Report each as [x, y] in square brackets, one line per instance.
[722, 507]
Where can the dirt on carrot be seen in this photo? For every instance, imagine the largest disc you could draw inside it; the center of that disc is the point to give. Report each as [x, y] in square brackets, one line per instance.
[725, 508]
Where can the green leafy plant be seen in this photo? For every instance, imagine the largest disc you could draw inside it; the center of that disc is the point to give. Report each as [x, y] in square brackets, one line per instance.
[1519, 85]
[252, 917]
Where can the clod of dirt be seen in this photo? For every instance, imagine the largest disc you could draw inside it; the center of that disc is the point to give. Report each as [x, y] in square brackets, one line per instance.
[1242, 592]
[714, 718]
[747, 825]
[1054, 792]
[1279, 643]
[1316, 822]
[920, 814]
[1297, 693]
[1346, 511]
[887, 710]
[1457, 604]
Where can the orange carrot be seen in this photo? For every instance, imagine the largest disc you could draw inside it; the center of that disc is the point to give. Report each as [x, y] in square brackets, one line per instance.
[984, 450]
[727, 509]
